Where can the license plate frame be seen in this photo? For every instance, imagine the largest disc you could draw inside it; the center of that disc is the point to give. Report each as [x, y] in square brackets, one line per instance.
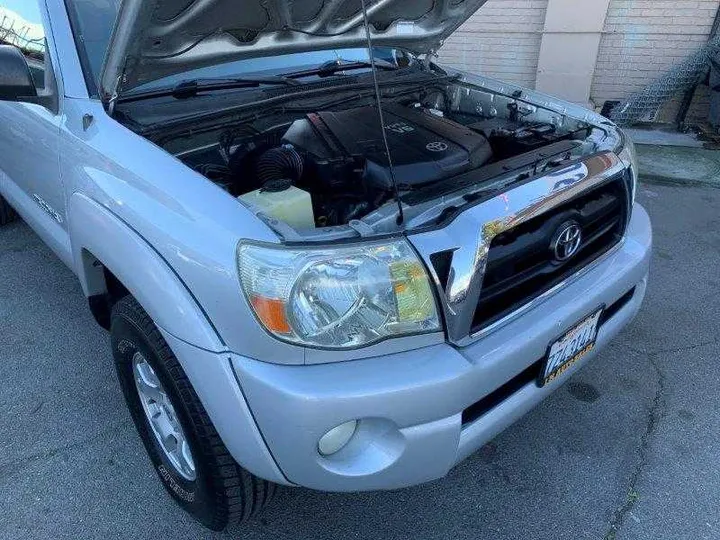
[552, 367]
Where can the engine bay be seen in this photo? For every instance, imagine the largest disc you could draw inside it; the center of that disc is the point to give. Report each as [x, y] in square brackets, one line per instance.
[333, 164]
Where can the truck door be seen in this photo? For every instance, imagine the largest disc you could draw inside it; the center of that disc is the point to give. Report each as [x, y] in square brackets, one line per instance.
[29, 132]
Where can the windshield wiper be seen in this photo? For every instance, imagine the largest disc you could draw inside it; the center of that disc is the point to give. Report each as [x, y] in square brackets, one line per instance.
[335, 66]
[191, 88]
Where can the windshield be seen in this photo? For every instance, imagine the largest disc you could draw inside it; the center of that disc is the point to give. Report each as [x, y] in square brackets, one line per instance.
[93, 22]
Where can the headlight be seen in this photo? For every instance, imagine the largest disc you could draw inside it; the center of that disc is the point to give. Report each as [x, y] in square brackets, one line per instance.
[628, 156]
[339, 298]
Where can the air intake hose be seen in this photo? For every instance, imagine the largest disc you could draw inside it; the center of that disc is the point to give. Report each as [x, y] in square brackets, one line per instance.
[280, 164]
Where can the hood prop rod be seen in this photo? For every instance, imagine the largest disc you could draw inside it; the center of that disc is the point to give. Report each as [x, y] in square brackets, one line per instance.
[378, 97]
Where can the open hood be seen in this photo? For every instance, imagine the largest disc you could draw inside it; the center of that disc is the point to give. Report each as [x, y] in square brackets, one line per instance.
[157, 38]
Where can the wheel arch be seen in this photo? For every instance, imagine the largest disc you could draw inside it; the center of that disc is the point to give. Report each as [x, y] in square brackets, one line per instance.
[111, 260]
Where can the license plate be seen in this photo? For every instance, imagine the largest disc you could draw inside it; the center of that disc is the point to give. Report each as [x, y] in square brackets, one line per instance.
[570, 348]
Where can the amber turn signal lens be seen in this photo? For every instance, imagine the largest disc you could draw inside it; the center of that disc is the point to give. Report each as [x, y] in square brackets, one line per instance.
[272, 314]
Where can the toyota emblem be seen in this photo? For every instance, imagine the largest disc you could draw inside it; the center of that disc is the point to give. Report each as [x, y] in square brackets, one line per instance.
[567, 241]
[437, 146]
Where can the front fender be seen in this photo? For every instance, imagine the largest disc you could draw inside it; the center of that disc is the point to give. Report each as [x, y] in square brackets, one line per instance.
[98, 235]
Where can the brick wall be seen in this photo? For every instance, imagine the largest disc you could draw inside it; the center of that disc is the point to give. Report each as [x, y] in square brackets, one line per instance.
[501, 40]
[643, 39]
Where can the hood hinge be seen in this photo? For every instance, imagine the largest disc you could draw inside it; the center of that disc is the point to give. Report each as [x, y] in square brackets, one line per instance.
[432, 54]
[112, 99]
[110, 106]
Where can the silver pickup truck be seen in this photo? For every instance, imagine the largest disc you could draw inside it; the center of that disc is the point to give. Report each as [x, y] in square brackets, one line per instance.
[323, 259]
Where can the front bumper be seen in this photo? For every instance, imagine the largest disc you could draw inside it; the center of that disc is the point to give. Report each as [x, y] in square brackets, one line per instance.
[411, 405]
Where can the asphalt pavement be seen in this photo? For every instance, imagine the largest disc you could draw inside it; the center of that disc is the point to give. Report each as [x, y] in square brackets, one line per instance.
[628, 449]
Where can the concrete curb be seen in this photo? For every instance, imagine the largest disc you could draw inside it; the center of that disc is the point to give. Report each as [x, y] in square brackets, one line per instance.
[679, 165]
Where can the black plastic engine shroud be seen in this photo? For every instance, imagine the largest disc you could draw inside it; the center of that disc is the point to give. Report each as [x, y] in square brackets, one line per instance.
[425, 147]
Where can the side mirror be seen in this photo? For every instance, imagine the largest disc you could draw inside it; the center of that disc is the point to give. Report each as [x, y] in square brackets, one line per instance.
[16, 82]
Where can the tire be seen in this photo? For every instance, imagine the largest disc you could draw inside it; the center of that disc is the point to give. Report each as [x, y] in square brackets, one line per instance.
[7, 214]
[222, 492]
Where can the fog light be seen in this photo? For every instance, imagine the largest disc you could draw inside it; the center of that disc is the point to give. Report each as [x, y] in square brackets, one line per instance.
[337, 438]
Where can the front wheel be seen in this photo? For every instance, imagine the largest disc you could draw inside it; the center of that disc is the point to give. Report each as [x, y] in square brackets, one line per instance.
[188, 455]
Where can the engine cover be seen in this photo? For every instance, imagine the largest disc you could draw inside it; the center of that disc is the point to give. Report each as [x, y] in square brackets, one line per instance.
[425, 148]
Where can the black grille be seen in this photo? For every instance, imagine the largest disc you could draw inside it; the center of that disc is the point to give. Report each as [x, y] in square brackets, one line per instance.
[522, 265]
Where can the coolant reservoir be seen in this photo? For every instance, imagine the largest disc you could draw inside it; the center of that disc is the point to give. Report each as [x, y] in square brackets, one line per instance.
[284, 202]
